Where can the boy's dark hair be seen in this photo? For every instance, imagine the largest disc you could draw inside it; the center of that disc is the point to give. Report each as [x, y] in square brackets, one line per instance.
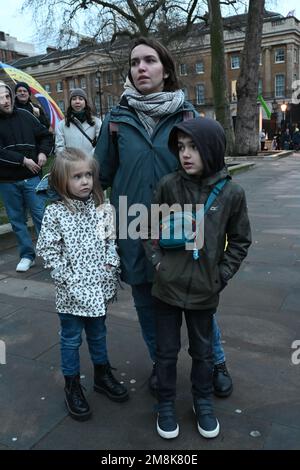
[209, 137]
[171, 82]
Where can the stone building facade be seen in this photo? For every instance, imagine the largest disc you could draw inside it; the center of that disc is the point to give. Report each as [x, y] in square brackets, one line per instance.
[101, 70]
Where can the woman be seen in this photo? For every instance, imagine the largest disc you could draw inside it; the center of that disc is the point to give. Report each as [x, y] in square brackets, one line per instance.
[79, 129]
[133, 153]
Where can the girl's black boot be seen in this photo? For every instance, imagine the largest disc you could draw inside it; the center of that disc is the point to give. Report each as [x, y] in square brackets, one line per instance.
[75, 400]
[105, 382]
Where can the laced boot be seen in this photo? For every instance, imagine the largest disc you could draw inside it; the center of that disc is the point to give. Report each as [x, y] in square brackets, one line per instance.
[222, 381]
[75, 400]
[105, 382]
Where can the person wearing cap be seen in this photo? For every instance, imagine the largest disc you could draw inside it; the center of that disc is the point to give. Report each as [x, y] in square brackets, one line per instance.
[79, 129]
[23, 101]
[25, 145]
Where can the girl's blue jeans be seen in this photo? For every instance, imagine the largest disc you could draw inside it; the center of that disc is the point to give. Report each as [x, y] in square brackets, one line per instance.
[71, 339]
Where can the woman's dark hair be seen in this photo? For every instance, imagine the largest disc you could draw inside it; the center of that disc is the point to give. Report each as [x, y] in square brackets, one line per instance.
[88, 113]
[171, 82]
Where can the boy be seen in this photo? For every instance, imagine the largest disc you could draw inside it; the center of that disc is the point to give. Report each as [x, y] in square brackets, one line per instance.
[191, 284]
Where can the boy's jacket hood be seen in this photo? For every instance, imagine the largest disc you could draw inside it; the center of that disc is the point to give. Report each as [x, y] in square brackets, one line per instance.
[209, 137]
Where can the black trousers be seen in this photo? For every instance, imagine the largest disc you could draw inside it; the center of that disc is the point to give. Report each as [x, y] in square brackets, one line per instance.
[168, 326]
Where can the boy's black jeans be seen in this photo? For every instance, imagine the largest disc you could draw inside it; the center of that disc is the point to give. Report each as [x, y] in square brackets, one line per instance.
[168, 325]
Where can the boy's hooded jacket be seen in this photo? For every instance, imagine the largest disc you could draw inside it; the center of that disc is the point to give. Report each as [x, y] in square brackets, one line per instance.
[181, 280]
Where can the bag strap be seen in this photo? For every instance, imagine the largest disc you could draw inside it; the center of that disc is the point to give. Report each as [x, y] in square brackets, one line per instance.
[212, 196]
[77, 123]
[214, 193]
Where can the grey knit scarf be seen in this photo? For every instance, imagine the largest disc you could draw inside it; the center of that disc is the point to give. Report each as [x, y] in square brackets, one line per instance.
[151, 107]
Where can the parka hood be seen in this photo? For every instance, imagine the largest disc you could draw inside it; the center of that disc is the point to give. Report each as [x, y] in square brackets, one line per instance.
[209, 137]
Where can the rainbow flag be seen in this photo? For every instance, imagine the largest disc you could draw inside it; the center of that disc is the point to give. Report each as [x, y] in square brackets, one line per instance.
[51, 109]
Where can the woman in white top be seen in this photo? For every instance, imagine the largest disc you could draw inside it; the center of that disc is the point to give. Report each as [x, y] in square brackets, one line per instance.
[79, 129]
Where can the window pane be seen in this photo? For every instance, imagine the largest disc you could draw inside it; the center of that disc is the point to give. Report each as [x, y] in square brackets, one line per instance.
[200, 97]
[279, 85]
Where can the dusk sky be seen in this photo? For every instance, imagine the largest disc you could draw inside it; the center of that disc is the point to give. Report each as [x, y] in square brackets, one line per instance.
[22, 27]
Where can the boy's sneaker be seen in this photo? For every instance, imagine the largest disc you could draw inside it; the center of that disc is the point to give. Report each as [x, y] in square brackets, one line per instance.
[207, 423]
[24, 264]
[166, 423]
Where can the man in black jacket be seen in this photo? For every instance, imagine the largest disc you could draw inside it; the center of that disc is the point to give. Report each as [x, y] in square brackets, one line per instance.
[25, 145]
[23, 101]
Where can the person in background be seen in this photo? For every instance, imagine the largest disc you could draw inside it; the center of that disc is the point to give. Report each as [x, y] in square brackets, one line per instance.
[79, 129]
[25, 143]
[23, 101]
[133, 153]
[262, 137]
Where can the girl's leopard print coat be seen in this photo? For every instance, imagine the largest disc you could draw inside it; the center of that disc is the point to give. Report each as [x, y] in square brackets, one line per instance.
[75, 243]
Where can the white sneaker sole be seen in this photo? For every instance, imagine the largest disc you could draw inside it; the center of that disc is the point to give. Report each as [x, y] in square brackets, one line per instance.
[208, 434]
[167, 434]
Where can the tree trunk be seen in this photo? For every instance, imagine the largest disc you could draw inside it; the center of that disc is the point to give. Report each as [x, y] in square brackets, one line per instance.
[219, 72]
[246, 130]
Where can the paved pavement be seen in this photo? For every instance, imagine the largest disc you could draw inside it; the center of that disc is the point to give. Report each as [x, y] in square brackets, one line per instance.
[259, 318]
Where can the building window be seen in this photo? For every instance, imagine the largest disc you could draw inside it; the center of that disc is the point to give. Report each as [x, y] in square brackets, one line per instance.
[110, 101]
[200, 95]
[279, 86]
[260, 86]
[235, 62]
[59, 87]
[71, 84]
[279, 56]
[182, 69]
[47, 87]
[61, 105]
[82, 82]
[200, 67]
[186, 93]
[108, 77]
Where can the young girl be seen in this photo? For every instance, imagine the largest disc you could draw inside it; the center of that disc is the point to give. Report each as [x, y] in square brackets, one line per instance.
[80, 129]
[75, 243]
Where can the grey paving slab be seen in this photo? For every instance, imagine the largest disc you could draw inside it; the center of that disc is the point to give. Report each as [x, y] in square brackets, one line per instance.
[282, 438]
[29, 333]
[7, 308]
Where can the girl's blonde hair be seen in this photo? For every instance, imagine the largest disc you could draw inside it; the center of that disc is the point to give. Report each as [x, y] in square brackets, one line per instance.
[61, 170]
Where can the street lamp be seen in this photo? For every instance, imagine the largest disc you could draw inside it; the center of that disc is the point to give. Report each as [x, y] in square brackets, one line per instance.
[98, 75]
[283, 107]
